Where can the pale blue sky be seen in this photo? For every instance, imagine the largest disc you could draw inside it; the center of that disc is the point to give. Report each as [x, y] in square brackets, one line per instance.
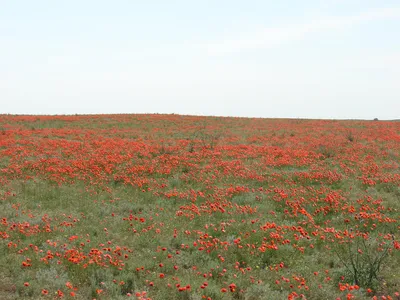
[297, 59]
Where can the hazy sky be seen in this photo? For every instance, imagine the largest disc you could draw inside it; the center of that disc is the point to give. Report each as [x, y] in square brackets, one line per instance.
[266, 58]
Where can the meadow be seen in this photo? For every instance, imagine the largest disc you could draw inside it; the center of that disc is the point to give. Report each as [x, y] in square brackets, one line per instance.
[189, 207]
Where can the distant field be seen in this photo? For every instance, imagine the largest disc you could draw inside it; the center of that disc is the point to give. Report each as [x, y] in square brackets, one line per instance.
[186, 207]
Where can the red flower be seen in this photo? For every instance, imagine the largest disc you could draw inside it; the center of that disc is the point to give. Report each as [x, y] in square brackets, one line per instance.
[60, 293]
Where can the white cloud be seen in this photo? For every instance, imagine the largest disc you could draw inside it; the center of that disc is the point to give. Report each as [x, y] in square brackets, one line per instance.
[389, 61]
[270, 37]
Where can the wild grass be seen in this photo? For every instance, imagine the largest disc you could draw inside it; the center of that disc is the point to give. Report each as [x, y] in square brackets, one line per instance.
[108, 207]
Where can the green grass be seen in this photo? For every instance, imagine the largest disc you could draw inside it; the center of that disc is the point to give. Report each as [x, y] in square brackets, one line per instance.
[266, 215]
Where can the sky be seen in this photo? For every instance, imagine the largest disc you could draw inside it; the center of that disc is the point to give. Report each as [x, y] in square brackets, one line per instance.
[330, 59]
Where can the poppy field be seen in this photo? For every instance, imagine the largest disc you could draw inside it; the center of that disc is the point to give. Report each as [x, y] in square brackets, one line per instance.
[189, 207]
